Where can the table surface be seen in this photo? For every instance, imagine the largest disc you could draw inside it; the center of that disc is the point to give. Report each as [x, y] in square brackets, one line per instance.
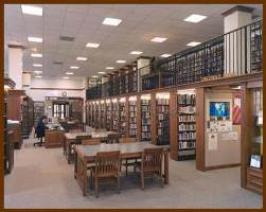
[124, 148]
[93, 134]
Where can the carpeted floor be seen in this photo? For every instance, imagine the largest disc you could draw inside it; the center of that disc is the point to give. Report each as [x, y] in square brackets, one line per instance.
[42, 178]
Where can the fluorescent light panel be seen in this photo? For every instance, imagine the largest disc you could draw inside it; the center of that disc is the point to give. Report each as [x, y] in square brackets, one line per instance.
[166, 55]
[158, 39]
[37, 72]
[38, 76]
[136, 52]
[121, 61]
[195, 18]
[109, 68]
[35, 39]
[94, 76]
[65, 77]
[92, 45]
[37, 65]
[74, 67]
[31, 10]
[193, 43]
[111, 21]
[101, 72]
[36, 55]
[82, 58]
[69, 73]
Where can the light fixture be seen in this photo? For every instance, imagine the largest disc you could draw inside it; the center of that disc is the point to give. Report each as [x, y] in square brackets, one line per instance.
[109, 68]
[166, 55]
[163, 95]
[136, 52]
[94, 76]
[35, 39]
[114, 100]
[37, 65]
[193, 43]
[69, 73]
[101, 72]
[132, 98]
[31, 10]
[82, 58]
[37, 72]
[145, 97]
[36, 55]
[7, 87]
[122, 99]
[121, 61]
[74, 67]
[38, 76]
[158, 39]
[111, 21]
[195, 18]
[92, 45]
[65, 77]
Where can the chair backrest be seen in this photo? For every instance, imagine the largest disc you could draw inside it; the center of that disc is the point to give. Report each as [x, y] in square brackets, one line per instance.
[107, 163]
[92, 141]
[127, 140]
[152, 159]
[113, 138]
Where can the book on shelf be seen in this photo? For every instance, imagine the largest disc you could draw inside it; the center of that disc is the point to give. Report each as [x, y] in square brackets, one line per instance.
[132, 118]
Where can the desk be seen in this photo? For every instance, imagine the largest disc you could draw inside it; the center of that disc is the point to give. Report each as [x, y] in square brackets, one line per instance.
[71, 138]
[86, 154]
[54, 138]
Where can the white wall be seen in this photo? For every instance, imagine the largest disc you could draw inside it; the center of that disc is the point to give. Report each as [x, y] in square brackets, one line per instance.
[38, 89]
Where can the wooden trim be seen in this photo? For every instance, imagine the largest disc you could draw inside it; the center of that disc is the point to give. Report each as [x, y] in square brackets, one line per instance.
[173, 125]
[200, 126]
[221, 166]
[68, 89]
[153, 119]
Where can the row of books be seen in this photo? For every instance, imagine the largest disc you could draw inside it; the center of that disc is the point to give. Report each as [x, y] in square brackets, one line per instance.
[186, 127]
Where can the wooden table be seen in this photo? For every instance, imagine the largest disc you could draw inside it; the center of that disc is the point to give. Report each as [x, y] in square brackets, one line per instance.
[71, 138]
[54, 138]
[86, 154]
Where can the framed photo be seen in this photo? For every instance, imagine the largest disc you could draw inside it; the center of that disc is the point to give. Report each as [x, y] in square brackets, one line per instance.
[237, 109]
[255, 161]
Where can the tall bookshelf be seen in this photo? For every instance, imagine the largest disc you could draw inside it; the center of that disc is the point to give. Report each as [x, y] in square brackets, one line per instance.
[27, 116]
[108, 114]
[145, 117]
[132, 111]
[186, 124]
[163, 121]
[115, 115]
[102, 114]
[256, 46]
[123, 116]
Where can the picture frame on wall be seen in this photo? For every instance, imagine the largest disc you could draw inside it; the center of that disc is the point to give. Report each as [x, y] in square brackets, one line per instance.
[237, 117]
[256, 161]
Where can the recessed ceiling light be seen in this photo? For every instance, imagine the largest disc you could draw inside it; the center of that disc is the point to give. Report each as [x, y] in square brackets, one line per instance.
[82, 58]
[37, 72]
[101, 72]
[111, 21]
[158, 39]
[38, 76]
[195, 18]
[193, 43]
[36, 55]
[69, 73]
[109, 68]
[31, 10]
[74, 67]
[165, 55]
[37, 65]
[121, 61]
[92, 45]
[136, 52]
[94, 76]
[35, 39]
[65, 77]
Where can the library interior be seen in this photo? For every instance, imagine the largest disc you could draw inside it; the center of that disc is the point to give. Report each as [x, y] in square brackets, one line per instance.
[133, 106]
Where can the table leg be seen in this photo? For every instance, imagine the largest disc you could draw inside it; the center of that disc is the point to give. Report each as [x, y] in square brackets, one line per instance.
[166, 167]
[81, 174]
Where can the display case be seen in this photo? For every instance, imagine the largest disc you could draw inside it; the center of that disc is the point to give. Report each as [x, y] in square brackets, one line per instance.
[186, 124]
[145, 101]
[163, 122]
[132, 105]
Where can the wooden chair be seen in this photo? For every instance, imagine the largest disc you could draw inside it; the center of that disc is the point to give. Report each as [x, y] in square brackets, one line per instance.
[113, 138]
[107, 166]
[91, 141]
[128, 162]
[151, 164]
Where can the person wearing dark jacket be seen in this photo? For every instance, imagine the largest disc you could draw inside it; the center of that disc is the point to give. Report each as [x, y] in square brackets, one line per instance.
[40, 130]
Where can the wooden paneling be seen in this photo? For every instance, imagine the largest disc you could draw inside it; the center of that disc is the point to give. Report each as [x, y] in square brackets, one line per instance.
[54, 138]
[200, 126]
[14, 100]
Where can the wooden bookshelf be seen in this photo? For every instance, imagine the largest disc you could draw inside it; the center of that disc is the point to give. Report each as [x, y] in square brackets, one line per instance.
[123, 120]
[162, 116]
[145, 103]
[108, 114]
[102, 114]
[132, 116]
[115, 115]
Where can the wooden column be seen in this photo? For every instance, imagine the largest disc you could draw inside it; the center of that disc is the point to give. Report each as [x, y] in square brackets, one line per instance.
[200, 126]
[153, 119]
[173, 125]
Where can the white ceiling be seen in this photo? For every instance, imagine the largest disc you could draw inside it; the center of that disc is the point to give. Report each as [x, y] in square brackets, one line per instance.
[139, 24]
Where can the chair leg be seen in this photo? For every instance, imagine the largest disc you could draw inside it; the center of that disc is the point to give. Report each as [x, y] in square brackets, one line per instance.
[126, 166]
[142, 180]
[96, 187]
